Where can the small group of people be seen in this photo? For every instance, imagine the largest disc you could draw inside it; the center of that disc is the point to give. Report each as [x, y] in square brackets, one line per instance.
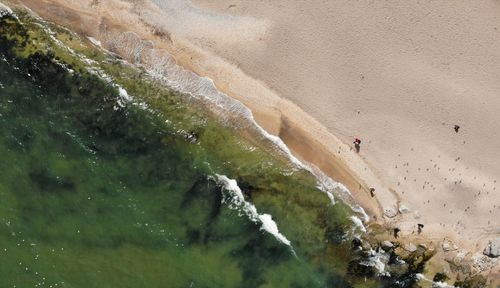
[397, 230]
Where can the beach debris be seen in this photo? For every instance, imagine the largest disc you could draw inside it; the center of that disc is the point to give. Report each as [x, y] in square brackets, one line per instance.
[403, 209]
[456, 128]
[390, 212]
[493, 248]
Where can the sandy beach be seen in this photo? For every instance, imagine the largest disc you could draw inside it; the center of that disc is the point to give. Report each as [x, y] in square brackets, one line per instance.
[398, 76]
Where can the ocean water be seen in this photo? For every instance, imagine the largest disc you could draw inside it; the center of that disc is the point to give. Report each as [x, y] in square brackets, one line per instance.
[116, 181]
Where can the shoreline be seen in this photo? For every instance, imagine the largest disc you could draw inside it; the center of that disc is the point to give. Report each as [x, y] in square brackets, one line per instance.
[305, 136]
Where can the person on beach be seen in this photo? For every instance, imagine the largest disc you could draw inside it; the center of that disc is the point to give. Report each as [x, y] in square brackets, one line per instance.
[372, 192]
[456, 128]
[396, 232]
[357, 143]
[420, 227]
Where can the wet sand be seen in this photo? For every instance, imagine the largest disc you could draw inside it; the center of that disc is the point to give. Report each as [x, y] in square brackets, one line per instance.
[397, 76]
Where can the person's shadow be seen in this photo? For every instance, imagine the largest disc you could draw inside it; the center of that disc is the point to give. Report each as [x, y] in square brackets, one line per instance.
[357, 147]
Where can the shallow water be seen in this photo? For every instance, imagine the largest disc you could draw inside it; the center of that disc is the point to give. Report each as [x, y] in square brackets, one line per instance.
[96, 191]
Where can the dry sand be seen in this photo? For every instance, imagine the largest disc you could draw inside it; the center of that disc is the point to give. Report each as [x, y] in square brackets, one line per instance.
[398, 75]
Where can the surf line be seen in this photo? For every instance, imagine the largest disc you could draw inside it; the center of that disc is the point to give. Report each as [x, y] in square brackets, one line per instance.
[165, 69]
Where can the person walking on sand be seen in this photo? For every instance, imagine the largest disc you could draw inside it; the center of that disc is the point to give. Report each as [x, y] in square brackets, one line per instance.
[396, 232]
[357, 143]
[372, 192]
[420, 227]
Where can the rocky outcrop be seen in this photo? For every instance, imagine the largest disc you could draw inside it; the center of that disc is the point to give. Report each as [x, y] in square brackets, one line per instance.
[386, 245]
[493, 248]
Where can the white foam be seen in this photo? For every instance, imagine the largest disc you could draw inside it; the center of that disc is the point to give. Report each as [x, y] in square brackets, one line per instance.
[438, 284]
[270, 226]
[358, 209]
[123, 93]
[358, 223]
[236, 201]
[123, 96]
[377, 260]
[4, 10]
[95, 41]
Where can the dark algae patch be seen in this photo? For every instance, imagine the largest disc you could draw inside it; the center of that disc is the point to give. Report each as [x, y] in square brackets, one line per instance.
[98, 190]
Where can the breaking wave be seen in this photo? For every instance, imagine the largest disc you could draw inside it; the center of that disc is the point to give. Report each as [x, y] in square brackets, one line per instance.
[235, 200]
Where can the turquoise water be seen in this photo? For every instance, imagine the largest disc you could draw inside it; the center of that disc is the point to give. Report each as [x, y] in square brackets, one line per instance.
[99, 192]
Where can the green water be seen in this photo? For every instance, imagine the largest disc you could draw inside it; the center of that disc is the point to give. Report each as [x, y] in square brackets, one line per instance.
[93, 194]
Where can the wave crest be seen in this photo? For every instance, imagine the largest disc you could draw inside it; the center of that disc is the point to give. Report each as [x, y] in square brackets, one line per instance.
[235, 200]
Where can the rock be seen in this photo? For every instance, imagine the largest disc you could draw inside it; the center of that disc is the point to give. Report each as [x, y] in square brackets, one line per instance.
[440, 277]
[402, 253]
[473, 281]
[423, 246]
[390, 212]
[410, 247]
[4, 10]
[448, 246]
[399, 268]
[356, 242]
[403, 209]
[376, 263]
[387, 244]
[493, 248]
